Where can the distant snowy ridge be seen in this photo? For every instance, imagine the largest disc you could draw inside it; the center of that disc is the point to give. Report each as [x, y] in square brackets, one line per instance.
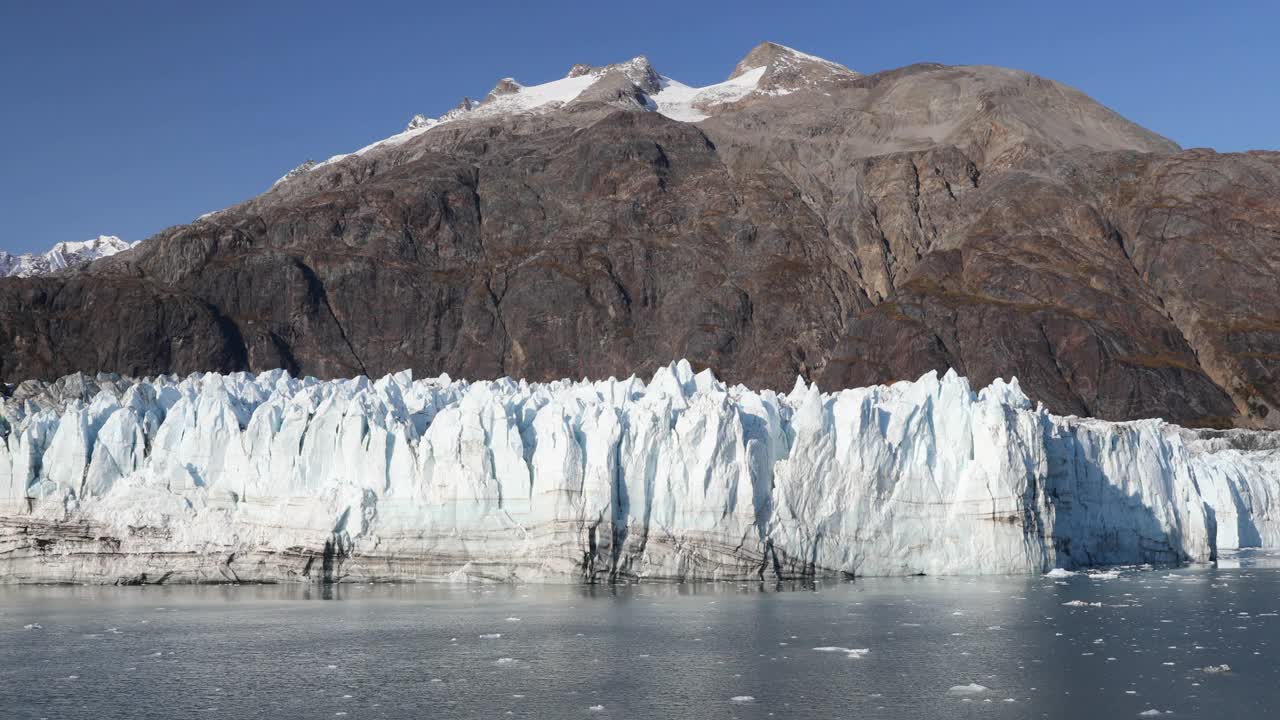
[273, 478]
[769, 70]
[305, 167]
[63, 255]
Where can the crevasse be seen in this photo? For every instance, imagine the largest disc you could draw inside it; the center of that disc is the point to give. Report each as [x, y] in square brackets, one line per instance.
[242, 477]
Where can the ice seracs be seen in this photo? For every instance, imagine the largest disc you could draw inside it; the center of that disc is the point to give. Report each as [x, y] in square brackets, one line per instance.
[61, 256]
[268, 477]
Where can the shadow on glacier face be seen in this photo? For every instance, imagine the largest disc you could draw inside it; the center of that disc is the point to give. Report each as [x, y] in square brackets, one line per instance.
[1249, 536]
[1096, 521]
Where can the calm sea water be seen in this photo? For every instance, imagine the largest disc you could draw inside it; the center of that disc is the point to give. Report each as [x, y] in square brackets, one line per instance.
[654, 651]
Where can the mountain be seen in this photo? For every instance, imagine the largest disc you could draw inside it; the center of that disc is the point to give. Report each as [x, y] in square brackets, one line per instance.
[797, 218]
[63, 255]
[243, 478]
[769, 70]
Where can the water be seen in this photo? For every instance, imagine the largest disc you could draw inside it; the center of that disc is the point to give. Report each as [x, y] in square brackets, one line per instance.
[651, 651]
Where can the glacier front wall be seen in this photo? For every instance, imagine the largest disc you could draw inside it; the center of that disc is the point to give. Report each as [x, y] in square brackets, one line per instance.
[218, 478]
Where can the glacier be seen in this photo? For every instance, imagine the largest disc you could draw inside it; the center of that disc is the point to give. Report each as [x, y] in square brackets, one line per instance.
[271, 478]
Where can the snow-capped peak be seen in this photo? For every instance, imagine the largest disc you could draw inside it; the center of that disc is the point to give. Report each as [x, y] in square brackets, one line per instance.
[62, 255]
[505, 86]
[509, 97]
[769, 69]
[771, 54]
[417, 121]
[785, 70]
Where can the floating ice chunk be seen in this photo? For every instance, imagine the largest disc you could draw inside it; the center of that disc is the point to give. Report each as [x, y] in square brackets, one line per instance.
[506, 661]
[490, 636]
[742, 698]
[596, 708]
[1216, 669]
[33, 626]
[849, 652]
[970, 689]
[1154, 712]
[1059, 573]
[1081, 603]
[513, 619]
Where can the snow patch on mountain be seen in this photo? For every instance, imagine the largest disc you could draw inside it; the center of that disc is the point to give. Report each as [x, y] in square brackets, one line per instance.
[507, 98]
[63, 255]
[306, 167]
[269, 477]
[770, 70]
[687, 104]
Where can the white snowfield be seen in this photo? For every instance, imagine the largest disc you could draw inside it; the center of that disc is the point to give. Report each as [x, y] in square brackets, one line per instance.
[62, 255]
[662, 94]
[673, 99]
[272, 478]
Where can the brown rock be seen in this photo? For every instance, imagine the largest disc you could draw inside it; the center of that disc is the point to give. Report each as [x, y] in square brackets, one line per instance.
[867, 231]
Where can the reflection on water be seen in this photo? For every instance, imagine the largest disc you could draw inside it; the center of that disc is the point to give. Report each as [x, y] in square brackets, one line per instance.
[1084, 646]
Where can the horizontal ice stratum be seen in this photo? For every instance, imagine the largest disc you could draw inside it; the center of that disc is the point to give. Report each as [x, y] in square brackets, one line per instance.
[228, 478]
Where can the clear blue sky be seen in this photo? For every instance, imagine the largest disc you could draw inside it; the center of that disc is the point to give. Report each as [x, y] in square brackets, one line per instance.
[126, 117]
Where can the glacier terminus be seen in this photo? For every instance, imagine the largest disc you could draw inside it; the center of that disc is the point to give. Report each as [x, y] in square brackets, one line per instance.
[271, 478]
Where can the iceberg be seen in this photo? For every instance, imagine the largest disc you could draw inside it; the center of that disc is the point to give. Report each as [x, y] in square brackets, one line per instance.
[272, 478]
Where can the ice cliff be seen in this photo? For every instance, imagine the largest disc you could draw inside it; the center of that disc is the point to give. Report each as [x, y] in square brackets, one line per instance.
[273, 478]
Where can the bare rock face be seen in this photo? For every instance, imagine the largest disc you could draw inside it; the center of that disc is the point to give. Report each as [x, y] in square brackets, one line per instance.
[640, 72]
[505, 86]
[786, 70]
[615, 89]
[852, 229]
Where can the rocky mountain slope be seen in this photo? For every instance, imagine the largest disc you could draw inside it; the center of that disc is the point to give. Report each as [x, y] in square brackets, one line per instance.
[799, 218]
[61, 256]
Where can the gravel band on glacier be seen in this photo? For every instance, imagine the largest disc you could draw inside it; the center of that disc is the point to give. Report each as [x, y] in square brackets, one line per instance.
[229, 478]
